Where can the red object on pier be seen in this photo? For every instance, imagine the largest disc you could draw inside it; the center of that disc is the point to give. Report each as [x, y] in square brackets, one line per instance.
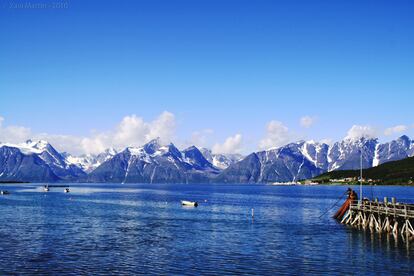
[352, 195]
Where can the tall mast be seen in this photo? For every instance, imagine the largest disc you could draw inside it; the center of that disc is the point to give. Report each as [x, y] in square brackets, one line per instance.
[360, 177]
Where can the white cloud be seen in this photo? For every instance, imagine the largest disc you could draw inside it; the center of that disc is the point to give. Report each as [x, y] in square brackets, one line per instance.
[307, 121]
[163, 127]
[232, 144]
[201, 138]
[98, 143]
[13, 134]
[357, 131]
[131, 131]
[18, 134]
[277, 135]
[395, 129]
[67, 143]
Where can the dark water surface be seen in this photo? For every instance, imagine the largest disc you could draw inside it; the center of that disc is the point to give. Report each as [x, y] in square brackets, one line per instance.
[125, 229]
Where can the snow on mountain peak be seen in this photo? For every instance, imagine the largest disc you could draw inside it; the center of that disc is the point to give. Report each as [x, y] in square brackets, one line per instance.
[89, 162]
[152, 146]
[40, 145]
[110, 151]
[134, 150]
[404, 140]
[221, 161]
[150, 149]
[30, 146]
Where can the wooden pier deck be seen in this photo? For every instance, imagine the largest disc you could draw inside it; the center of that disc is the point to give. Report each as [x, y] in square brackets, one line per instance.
[390, 217]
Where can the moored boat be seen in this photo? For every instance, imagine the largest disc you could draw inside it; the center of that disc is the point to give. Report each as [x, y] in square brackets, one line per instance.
[66, 190]
[189, 203]
[4, 192]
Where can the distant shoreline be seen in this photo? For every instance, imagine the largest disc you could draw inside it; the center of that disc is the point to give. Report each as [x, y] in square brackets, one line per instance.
[64, 184]
[14, 182]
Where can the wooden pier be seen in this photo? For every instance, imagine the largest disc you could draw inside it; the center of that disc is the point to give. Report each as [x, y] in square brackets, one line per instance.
[382, 217]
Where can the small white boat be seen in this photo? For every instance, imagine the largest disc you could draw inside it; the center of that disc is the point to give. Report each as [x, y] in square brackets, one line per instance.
[4, 192]
[66, 190]
[189, 203]
[46, 188]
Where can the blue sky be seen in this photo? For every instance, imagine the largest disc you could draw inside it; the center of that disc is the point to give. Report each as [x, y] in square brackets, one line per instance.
[220, 68]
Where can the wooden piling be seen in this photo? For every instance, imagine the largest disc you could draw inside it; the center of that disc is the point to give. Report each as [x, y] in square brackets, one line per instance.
[382, 217]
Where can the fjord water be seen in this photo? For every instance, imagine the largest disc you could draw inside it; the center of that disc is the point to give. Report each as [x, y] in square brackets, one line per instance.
[128, 229]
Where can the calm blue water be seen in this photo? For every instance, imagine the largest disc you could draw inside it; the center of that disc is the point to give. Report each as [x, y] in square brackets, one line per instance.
[142, 229]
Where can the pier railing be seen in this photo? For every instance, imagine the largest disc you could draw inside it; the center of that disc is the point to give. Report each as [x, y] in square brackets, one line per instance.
[402, 210]
[392, 217]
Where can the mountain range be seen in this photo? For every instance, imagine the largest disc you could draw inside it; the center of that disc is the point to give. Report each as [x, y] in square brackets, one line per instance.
[38, 161]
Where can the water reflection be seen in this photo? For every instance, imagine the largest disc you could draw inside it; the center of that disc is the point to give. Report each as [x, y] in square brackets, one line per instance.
[130, 229]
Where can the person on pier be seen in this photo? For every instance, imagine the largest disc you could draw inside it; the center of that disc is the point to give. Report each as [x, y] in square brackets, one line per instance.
[352, 196]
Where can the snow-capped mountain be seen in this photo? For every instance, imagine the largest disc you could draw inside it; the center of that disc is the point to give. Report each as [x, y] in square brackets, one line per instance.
[38, 161]
[302, 160]
[89, 162]
[221, 161]
[292, 162]
[196, 158]
[346, 155]
[157, 163]
[398, 149]
[315, 152]
[35, 161]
